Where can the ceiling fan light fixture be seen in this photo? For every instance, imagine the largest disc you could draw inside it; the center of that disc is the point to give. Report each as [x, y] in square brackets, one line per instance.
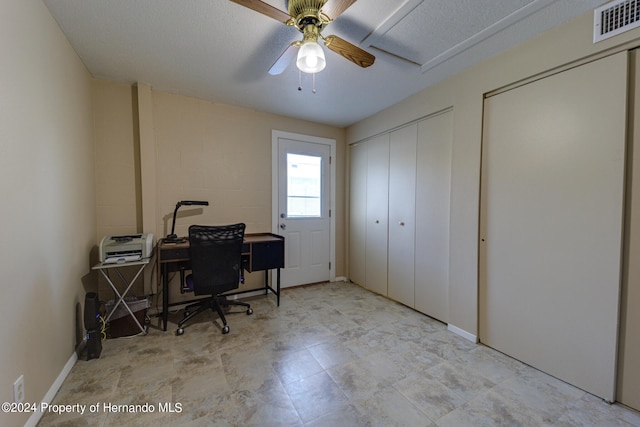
[311, 58]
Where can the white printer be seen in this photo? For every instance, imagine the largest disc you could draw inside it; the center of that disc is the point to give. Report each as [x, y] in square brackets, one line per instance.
[129, 247]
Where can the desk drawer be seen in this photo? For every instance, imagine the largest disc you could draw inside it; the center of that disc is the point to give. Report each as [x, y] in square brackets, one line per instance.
[174, 254]
[266, 256]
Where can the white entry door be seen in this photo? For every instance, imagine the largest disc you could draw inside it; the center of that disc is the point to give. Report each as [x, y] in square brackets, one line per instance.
[302, 194]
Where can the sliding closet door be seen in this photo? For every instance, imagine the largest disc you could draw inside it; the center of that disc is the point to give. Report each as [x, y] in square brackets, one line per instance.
[629, 353]
[433, 189]
[551, 222]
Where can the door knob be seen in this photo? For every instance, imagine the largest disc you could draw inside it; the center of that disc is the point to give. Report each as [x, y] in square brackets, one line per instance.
[283, 226]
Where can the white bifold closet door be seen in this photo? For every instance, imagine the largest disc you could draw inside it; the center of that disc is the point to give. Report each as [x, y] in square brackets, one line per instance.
[433, 190]
[553, 161]
[402, 213]
[377, 214]
[358, 214]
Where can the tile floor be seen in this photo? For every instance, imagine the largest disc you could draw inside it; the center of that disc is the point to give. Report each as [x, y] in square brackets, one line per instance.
[332, 354]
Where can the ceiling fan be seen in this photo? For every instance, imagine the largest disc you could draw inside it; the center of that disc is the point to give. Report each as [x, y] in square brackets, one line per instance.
[310, 17]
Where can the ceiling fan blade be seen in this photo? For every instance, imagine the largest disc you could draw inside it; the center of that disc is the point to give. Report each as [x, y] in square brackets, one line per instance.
[265, 9]
[285, 59]
[351, 52]
[334, 8]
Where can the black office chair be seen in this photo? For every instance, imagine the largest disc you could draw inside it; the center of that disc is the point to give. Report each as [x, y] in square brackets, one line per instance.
[216, 265]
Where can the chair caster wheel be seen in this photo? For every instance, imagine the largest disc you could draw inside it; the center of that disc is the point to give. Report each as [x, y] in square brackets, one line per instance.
[225, 330]
[249, 311]
[180, 331]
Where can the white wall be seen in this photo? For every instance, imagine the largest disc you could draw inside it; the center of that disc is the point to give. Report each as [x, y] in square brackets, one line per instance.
[47, 193]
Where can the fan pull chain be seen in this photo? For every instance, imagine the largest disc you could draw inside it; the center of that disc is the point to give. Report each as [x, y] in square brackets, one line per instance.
[313, 80]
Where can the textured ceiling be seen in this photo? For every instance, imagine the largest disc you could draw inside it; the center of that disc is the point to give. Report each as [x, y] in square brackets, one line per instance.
[220, 51]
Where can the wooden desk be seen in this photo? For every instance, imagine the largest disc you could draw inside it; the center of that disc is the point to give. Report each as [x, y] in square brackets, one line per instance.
[260, 251]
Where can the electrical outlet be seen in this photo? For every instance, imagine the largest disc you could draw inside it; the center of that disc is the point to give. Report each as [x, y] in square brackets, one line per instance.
[18, 390]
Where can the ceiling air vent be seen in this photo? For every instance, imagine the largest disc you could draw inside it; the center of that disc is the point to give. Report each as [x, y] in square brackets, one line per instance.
[615, 18]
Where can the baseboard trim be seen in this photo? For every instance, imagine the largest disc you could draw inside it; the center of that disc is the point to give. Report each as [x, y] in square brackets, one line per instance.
[462, 333]
[48, 398]
[255, 293]
[340, 279]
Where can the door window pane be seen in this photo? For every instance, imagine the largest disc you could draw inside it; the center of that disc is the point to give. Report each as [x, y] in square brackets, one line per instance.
[304, 185]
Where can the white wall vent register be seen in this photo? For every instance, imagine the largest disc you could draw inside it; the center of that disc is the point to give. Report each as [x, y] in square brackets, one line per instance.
[615, 18]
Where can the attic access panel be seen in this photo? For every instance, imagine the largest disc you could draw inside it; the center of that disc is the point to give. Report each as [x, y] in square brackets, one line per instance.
[421, 30]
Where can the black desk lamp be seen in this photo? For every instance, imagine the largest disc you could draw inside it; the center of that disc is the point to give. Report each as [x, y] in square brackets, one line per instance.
[172, 238]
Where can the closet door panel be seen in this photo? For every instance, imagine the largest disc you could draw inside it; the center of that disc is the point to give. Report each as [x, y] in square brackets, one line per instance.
[402, 196]
[433, 188]
[551, 222]
[358, 213]
[629, 352]
[377, 214]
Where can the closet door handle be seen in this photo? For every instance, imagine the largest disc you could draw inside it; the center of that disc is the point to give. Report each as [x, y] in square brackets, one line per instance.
[401, 223]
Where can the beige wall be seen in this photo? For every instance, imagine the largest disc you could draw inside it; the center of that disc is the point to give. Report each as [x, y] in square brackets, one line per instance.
[464, 92]
[117, 159]
[118, 189]
[61, 192]
[192, 150]
[47, 187]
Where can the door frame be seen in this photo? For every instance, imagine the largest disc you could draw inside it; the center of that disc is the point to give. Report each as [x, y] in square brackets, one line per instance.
[275, 190]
